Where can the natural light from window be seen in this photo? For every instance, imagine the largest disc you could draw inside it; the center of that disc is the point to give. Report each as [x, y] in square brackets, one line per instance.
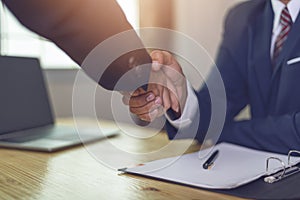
[17, 40]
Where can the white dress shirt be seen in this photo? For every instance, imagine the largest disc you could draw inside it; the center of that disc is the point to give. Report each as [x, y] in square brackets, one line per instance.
[191, 105]
[278, 6]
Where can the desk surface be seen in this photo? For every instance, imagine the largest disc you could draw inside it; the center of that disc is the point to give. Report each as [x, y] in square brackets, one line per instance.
[75, 174]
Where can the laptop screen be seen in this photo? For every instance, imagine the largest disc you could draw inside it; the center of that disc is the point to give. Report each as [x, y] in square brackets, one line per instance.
[24, 102]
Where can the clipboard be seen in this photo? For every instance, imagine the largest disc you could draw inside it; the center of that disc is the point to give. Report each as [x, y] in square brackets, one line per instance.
[287, 188]
[233, 180]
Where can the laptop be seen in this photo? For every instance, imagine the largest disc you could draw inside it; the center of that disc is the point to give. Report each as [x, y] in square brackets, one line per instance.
[26, 119]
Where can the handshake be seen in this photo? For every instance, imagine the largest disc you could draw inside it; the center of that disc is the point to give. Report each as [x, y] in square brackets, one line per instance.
[166, 93]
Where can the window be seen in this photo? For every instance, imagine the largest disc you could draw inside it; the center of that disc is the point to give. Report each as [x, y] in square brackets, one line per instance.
[16, 40]
[131, 9]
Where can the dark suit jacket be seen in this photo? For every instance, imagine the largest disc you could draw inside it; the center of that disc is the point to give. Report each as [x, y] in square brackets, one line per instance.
[77, 26]
[249, 78]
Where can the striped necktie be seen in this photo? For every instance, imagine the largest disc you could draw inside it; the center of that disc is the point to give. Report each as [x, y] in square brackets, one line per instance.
[286, 23]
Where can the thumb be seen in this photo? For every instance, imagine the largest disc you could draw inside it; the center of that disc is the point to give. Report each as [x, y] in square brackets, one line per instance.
[156, 66]
[158, 59]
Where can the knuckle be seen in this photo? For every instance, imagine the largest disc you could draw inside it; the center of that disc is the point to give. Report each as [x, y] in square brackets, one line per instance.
[145, 118]
[133, 102]
[135, 111]
[149, 107]
[132, 110]
[125, 100]
[167, 105]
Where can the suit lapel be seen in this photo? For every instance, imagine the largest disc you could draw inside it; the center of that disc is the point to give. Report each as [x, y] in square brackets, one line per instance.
[288, 46]
[260, 38]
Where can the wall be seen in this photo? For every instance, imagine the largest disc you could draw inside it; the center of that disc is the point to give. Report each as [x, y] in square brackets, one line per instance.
[203, 20]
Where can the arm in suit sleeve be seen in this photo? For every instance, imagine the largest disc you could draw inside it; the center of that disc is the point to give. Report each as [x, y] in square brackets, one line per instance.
[236, 99]
[233, 79]
[78, 26]
[273, 133]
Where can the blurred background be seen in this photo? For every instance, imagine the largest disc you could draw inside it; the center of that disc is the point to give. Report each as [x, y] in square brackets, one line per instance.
[199, 19]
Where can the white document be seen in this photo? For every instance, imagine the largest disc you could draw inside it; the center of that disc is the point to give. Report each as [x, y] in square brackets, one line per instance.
[234, 166]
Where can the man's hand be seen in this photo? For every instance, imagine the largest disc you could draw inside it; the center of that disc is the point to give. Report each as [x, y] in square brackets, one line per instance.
[174, 80]
[166, 90]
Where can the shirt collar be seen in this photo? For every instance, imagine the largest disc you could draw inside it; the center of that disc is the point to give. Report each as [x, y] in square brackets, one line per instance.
[278, 6]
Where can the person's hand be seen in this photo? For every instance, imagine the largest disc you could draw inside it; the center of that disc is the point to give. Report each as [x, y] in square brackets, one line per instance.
[172, 78]
[166, 89]
[145, 105]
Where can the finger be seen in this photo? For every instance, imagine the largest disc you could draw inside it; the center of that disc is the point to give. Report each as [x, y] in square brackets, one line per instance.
[159, 59]
[162, 57]
[148, 108]
[138, 92]
[149, 117]
[160, 88]
[153, 87]
[166, 99]
[126, 99]
[168, 58]
[168, 64]
[141, 100]
[160, 112]
[157, 56]
[174, 102]
[156, 65]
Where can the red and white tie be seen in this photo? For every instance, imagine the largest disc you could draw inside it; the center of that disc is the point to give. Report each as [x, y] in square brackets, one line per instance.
[286, 23]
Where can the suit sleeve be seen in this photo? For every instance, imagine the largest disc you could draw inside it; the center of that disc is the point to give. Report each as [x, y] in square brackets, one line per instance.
[78, 26]
[234, 82]
[272, 133]
[236, 99]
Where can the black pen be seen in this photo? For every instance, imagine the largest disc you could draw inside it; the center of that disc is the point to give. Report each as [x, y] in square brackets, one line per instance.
[210, 161]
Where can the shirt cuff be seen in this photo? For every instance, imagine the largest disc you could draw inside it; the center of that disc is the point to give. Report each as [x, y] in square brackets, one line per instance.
[189, 111]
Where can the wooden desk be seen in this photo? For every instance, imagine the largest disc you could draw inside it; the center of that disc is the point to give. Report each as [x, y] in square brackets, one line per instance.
[76, 174]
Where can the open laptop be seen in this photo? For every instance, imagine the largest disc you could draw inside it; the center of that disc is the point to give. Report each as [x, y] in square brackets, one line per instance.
[26, 119]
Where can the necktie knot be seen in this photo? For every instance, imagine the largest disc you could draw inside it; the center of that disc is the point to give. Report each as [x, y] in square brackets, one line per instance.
[285, 18]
